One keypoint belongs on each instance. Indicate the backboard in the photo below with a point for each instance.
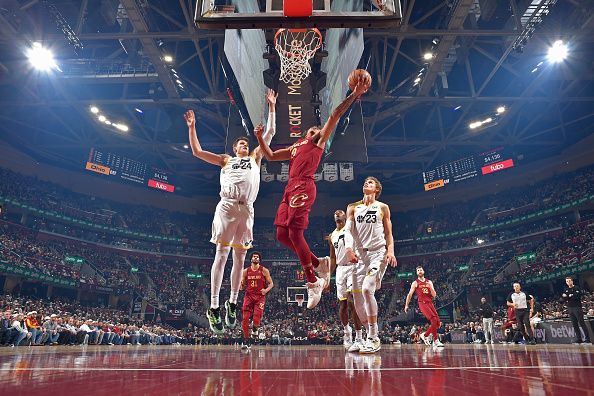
(270, 14)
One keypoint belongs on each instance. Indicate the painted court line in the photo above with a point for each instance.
(210, 370)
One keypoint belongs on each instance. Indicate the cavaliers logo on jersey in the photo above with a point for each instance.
(425, 290)
(298, 200)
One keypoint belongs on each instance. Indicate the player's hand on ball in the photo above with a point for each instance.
(271, 97)
(362, 86)
(391, 259)
(258, 130)
(190, 118)
(351, 256)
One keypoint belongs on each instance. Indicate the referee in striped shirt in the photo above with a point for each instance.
(520, 301)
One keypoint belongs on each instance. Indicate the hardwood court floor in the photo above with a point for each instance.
(298, 370)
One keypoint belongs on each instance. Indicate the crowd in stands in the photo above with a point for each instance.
(42, 245)
(496, 207)
(28, 321)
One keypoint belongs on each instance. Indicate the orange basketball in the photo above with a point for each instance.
(354, 77)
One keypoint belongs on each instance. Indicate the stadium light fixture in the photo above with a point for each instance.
(94, 109)
(427, 56)
(168, 58)
(558, 52)
(501, 110)
(41, 58)
(102, 118)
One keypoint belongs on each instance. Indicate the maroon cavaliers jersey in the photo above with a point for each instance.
(305, 159)
(255, 280)
(424, 291)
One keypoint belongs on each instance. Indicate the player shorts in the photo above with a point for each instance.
(253, 304)
(233, 224)
(428, 310)
(344, 281)
(298, 199)
(372, 264)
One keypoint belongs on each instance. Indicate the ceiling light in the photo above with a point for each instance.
(41, 58)
(488, 120)
(122, 127)
(428, 56)
(168, 58)
(94, 109)
(501, 110)
(138, 110)
(474, 125)
(107, 122)
(102, 118)
(558, 52)
(186, 146)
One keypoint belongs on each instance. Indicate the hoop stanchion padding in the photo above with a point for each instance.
(298, 8)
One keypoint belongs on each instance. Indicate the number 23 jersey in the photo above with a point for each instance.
(369, 227)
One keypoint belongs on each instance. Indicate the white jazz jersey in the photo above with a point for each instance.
(369, 227)
(240, 179)
(337, 238)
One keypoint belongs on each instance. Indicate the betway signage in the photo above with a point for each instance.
(294, 111)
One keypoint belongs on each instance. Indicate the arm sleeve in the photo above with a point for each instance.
(270, 127)
(509, 299)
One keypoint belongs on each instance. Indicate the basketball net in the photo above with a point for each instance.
(300, 300)
(295, 48)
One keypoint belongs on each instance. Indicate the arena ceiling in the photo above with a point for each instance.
(486, 52)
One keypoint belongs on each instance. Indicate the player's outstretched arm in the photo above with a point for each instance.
(278, 155)
(268, 281)
(270, 130)
(387, 222)
(339, 111)
(197, 151)
(413, 287)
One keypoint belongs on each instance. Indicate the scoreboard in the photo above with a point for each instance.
(467, 168)
(128, 170)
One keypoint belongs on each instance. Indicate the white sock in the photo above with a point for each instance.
(373, 330)
(348, 330)
(359, 334)
(216, 274)
(236, 271)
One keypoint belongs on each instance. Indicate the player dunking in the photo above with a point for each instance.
(292, 217)
(234, 216)
(370, 225)
(344, 283)
(425, 294)
(257, 282)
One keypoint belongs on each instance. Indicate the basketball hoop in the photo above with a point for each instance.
(295, 48)
(300, 299)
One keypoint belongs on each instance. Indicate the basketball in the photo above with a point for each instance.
(354, 77)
